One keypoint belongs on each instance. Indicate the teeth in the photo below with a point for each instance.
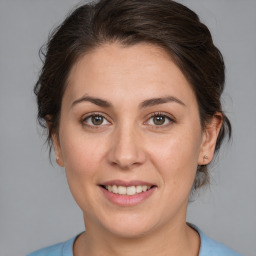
(122, 190)
(114, 189)
(138, 189)
(132, 190)
(144, 188)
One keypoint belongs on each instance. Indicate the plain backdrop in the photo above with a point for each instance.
(36, 207)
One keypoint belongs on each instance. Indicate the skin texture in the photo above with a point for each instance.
(128, 145)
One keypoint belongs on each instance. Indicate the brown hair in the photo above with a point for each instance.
(165, 23)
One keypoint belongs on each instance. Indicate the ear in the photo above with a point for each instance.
(210, 135)
(56, 144)
(57, 149)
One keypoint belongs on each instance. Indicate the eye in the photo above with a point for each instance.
(95, 120)
(160, 119)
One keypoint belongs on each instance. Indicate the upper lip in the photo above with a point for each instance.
(127, 183)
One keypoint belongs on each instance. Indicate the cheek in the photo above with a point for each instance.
(176, 157)
(81, 156)
(80, 153)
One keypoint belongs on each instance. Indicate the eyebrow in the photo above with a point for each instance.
(96, 101)
(146, 103)
(157, 101)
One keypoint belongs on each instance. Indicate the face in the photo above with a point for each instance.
(130, 139)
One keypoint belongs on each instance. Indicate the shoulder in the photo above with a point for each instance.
(210, 247)
(60, 249)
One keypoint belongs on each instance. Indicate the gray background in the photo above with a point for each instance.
(36, 207)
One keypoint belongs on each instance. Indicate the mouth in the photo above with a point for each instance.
(127, 190)
(127, 193)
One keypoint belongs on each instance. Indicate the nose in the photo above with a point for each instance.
(126, 149)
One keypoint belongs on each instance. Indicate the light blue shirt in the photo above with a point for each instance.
(209, 247)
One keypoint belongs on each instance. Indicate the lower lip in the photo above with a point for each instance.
(126, 200)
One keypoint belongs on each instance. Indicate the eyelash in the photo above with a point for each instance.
(161, 114)
(156, 114)
(83, 121)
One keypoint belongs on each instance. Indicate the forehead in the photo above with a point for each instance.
(138, 71)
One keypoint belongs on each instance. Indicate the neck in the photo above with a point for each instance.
(180, 239)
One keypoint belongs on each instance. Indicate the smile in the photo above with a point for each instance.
(129, 191)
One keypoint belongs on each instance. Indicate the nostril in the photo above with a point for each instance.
(126, 152)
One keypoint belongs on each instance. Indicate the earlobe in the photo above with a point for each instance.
(55, 142)
(57, 149)
(58, 161)
(210, 136)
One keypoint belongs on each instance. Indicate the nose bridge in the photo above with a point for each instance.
(126, 149)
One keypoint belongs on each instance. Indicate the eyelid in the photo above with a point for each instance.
(168, 116)
(84, 117)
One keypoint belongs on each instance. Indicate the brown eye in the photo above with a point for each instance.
(159, 120)
(97, 120)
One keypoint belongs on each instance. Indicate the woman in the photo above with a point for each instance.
(130, 94)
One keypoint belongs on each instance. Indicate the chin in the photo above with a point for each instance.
(131, 232)
(130, 225)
